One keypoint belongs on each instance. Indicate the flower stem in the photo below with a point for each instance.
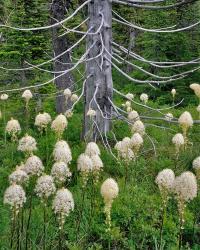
(28, 222)
(162, 224)
(181, 214)
(12, 235)
(81, 212)
(44, 227)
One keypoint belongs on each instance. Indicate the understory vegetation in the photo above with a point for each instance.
(136, 212)
(135, 187)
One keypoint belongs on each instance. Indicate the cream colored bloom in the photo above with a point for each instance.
(144, 98)
(84, 163)
(185, 186)
(33, 166)
(15, 197)
(4, 97)
(13, 128)
(136, 142)
(60, 172)
(63, 204)
(128, 109)
(42, 120)
(196, 166)
(138, 127)
(169, 116)
(124, 149)
(165, 181)
(109, 190)
(97, 163)
(62, 152)
(185, 121)
(74, 98)
(91, 113)
(128, 104)
(196, 88)
(27, 144)
(27, 95)
(129, 96)
(45, 186)
(92, 149)
(133, 116)
(69, 113)
(19, 176)
(173, 92)
(178, 140)
(59, 125)
(67, 93)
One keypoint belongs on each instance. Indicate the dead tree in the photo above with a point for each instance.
(60, 44)
(99, 87)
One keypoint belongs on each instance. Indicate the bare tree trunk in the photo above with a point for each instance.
(60, 44)
(99, 87)
(133, 34)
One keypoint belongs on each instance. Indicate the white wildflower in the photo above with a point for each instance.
(62, 152)
(144, 98)
(185, 186)
(109, 191)
(129, 96)
(45, 187)
(42, 120)
(173, 92)
(19, 176)
(185, 121)
(59, 125)
(33, 166)
(74, 98)
(169, 117)
(196, 166)
(67, 93)
(15, 197)
(27, 144)
(27, 95)
(136, 142)
(165, 181)
(196, 88)
(60, 172)
(128, 104)
(84, 163)
(92, 149)
(91, 113)
(97, 163)
(63, 204)
(128, 109)
(138, 127)
(178, 141)
(133, 116)
(13, 128)
(124, 149)
(4, 97)
(69, 113)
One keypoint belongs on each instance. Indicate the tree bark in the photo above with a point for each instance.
(61, 44)
(99, 68)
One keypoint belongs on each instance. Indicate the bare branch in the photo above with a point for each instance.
(127, 23)
(49, 26)
(152, 7)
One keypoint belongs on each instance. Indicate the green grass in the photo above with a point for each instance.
(136, 212)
